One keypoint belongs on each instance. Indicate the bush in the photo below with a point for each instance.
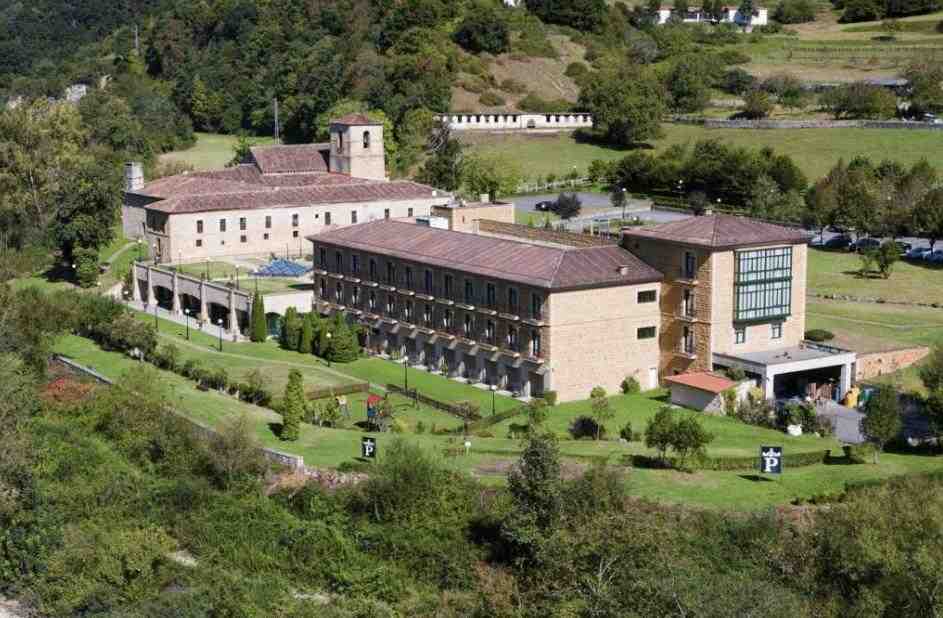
(550, 397)
(630, 386)
(819, 335)
(732, 56)
(166, 357)
(737, 81)
(586, 427)
(483, 31)
(757, 104)
(795, 11)
(626, 432)
(420, 427)
(597, 391)
(576, 70)
(860, 100)
(536, 105)
(86, 266)
(490, 99)
(513, 86)
(234, 452)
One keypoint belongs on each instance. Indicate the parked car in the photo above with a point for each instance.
(917, 253)
(865, 244)
(903, 247)
(544, 206)
(838, 242)
(936, 257)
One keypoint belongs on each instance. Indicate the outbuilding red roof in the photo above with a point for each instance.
(554, 267)
(719, 232)
(702, 381)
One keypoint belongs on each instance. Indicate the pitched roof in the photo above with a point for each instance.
(720, 232)
(290, 159)
(285, 197)
(556, 267)
(354, 120)
(702, 381)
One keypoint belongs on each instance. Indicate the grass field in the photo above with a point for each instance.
(813, 150)
(836, 272)
(211, 151)
(490, 457)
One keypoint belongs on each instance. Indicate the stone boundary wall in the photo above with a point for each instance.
(717, 123)
(516, 231)
(876, 364)
(874, 299)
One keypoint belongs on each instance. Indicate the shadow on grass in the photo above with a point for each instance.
(59, 272)
(583, 136)
(276, 429)
(756, 478)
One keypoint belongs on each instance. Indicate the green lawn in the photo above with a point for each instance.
(490, 457)
(210, 152)
(897, 326)
(814, 150)
(836, 272)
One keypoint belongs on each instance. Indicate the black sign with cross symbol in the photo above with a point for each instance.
(771, 459)
(368, 448)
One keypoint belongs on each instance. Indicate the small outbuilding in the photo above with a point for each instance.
(702, 390)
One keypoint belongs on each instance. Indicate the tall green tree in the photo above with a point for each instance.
(627, 105)
(306, 337)
(444, 162)
(291, 329)
(293, 406)
(89, 207)
(258, 327)
(343, 346)
(659, 431)
(882, 422)
(491, 174)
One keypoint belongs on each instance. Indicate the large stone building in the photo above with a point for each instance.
(530, 315)
(521, 316)
(273, 200)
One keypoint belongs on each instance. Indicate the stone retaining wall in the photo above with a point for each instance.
(877, 364)
(720, 123)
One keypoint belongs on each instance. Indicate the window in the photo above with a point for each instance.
(222, 225)
(511, 338)
(390, 272)
(327, 218)
(687, 341)
(647, 296)
(340, 141)
(469, 291)
(242, 224)
(373, 269)
(353, 216)
(688, 304)
(428, 282)
(409, 212)
(322, 287)
(535, 343)
(338, 262)
(294, 234)
(427, 315)
(294, 220)
(763, 284)
(409, 277)
(242, 238)
(689, 270)
(265, 236)
(489, 331)
(355, 295)
(447, 318)
(646, 332)
(199, 242)
(776, 330)
(386, 213)
(469, 325)
(354, 263)
(390, 304)
(372, 300)
(199, 226)
(448, 286)
(322, 257)
(339, 292)
(268, 222)
(490, 294)
(536, 306)
(512, 300)
(740, 335)
(407, 310)
(366, 140)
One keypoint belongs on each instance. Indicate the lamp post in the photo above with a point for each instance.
(237, 277)
(140, 250)
(327, 352)
(156, 307)
(406, 373)
(494, 389)
(623, 205)
(206, 268)
(219, 330)
(187, 313)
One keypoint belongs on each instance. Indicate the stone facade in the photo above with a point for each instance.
(357, 150)
(280, 230)
(602, 347)
(466, 218)
(879, 363)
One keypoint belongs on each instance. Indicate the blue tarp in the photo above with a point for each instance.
(282, 268)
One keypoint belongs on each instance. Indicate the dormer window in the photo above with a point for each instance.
(366, 140)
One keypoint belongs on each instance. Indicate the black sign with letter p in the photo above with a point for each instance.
(771, 459)
(368, 448)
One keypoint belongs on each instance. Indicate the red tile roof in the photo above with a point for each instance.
(354, 120)
(719, 232)
(291, 159)
(702, 381)
(550, 267)
(284, 197)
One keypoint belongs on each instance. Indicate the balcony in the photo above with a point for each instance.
(687, 276)
(688, 349)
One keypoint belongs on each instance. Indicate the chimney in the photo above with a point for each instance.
(484, 198)
(133, 176)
